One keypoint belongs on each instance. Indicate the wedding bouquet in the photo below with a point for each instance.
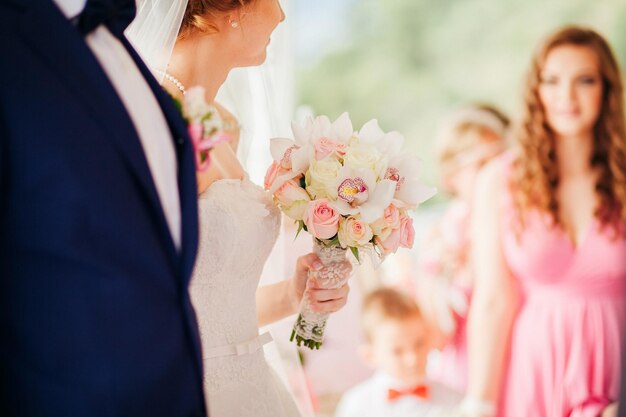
(204, 124)
(349, 190)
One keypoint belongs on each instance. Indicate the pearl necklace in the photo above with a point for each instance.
(174, 81)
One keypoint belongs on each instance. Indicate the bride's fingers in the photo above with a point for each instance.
(328, 300)
(309, 262)
(330, 306)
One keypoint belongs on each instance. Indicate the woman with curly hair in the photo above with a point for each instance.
(549, 238)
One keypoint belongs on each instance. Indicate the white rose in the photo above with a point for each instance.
(321, 178)
(195, 105)
(365, 156)
(213, 124)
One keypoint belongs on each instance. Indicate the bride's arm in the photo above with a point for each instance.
(282, 299)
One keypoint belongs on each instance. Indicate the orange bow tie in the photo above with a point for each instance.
(421, 391)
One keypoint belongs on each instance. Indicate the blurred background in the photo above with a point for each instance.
(409, 64)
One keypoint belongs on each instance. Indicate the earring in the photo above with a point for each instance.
(234, 24)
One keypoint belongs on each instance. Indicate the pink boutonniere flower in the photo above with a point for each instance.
(204, 125)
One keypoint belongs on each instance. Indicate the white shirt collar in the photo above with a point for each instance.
(71, 8)
(387, 381)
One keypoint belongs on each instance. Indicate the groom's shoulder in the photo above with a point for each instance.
(10, 10)
(13, 5)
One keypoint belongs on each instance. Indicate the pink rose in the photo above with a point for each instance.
(195, 130)
(321, 219)
(390, 220)
(270, 175)
(274, 172)
(402, 236)
(390, 244)
(392, 216)
(201, 150)
(407, 233)
(325, 146)
(293, 199)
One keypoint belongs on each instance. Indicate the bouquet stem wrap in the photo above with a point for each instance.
(309, 327)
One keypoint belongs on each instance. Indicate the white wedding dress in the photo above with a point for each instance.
(239, 225)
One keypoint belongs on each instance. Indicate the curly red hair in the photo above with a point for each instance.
(535, 172)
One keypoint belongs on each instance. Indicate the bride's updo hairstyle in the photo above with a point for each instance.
(199, 13)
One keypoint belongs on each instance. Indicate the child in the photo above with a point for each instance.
(398, 342)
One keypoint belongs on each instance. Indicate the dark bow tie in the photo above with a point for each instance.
(116, 15)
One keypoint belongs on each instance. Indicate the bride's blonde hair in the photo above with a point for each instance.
(535, 175)
(198, 14)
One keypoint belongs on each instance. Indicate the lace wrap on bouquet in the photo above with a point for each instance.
(310, 325)
(238, 227)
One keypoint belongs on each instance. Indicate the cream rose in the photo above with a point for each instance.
(322, 177)
(354, 233)
(195, 103)
(364, 156)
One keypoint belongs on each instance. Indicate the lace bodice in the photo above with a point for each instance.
(239, 225)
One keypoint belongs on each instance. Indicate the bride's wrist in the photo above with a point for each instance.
(293, 298)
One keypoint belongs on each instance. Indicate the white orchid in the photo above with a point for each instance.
(312, 136)
(388, 144)
(409, 191)
(359, 193)
(312, 129)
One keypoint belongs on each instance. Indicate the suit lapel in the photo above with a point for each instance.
(186, 185)
(63, 49)
(186, 167)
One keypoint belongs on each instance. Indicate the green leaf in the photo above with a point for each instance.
(355, 252)
(332, 242)
(300, 227)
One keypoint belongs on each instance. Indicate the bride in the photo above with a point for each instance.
(238, 221)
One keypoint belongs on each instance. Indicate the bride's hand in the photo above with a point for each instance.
(321, 300)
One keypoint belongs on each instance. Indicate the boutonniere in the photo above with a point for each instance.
(204, 124)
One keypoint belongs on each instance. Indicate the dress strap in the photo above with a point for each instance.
(244, 348)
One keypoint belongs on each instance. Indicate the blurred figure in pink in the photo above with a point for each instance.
(470, 138)
(549, 237)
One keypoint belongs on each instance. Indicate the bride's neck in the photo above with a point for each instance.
(196, 63)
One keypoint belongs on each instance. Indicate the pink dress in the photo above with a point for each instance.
(446, 259)
(567, 337)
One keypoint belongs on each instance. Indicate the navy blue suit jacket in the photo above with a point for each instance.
(95, 317)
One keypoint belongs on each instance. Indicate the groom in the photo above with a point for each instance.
(98, 221)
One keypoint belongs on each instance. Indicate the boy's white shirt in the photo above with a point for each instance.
(369, 399)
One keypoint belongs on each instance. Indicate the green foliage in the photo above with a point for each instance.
(408, 63)
(355, 252)
(301, 226)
